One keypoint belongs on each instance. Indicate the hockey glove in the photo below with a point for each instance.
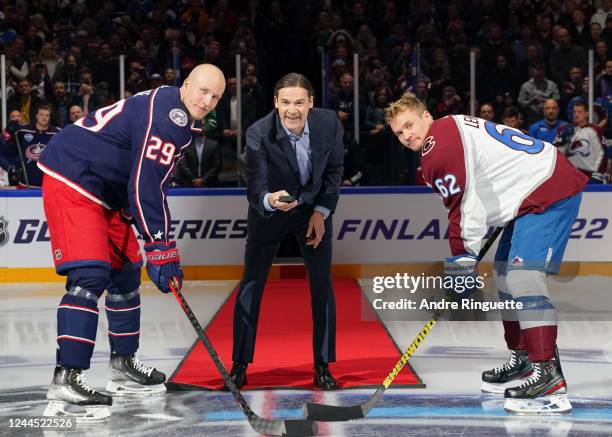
(460, 276)
(163, 263)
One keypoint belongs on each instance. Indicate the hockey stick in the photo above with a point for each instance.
(293, 427)
(21, 159)
(336, 413)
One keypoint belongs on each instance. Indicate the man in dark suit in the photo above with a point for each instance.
(293, 151)
(201, 164)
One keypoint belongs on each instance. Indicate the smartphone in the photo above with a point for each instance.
(286, 199)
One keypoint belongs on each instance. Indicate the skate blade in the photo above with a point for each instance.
(490, 387)
(91, 414)
(134, 389)
(555, 404)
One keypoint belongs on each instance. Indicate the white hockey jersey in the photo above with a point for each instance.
(488, 174)
(585, 148)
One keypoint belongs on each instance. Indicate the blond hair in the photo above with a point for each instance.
(407, 101)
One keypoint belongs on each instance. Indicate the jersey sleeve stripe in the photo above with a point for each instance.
(137, 178)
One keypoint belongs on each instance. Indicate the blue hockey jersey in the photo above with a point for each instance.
(121, 156)
(32, 142)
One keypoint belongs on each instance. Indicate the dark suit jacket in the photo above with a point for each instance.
(271, 162)
(210, 166)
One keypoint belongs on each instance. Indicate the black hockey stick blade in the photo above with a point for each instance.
(332, 413)
(289, 428)
(339, 413)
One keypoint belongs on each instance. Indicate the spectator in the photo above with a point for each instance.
(487, 112)
(60, 100)
(564, 57)
(68, 72)
(156, 80)
(535, 91)
(602, 13)
(76, 112)
(107, 67)
(86, 97)
(253, 95)
(450, 103)
(533, 57)
(572, 86)
(32, 140)
(497, 83)
(24, 101)
(50, 58)
(8, 151)
(580, 33)
(600, 57)
(581, 143)
(547, 128)
(494, 46)
(511, 117)
(201, 163)
(600, 118)
(342, 103)
(422, 92)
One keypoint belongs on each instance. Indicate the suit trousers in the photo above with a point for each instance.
(263, 240)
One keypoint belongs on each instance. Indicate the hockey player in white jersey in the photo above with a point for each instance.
(582, 143)
(493, 175)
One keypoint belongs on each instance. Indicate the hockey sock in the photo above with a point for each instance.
(123, 311)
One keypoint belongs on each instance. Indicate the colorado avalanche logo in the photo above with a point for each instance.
(178, 117)
(428, 145)
(33, 152)
(4, 235)
(581, 147)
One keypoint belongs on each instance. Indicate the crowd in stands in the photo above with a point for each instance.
(531, 66)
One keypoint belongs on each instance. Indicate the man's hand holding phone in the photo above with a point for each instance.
(282, 200)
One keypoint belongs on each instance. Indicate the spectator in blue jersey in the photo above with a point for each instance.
(29, 141)
(546, 128)
(106, 171)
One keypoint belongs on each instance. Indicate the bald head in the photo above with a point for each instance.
(202, 90)
(551, 110)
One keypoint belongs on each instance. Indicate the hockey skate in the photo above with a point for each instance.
(129, 377)
(69, 396)
(544, 392)
(501, 377)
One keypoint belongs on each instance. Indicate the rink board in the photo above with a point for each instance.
(375, 229)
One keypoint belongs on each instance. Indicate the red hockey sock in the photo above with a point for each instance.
(540, 342)
(512, 334)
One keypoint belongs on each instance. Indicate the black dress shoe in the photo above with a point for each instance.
(238, 374)
(323, 379)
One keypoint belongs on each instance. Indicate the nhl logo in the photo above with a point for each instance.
(4, 235)
(58, 254)
(178, 117)
(28, 137)
(428, 145)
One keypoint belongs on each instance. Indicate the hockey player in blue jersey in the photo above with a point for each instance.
(26, 142)
(103, 172)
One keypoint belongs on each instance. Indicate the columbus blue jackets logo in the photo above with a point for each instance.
(33, 152)
(428, 145)
(178, 117)
(4, 235)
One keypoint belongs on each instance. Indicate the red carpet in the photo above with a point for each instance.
(283, 353)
